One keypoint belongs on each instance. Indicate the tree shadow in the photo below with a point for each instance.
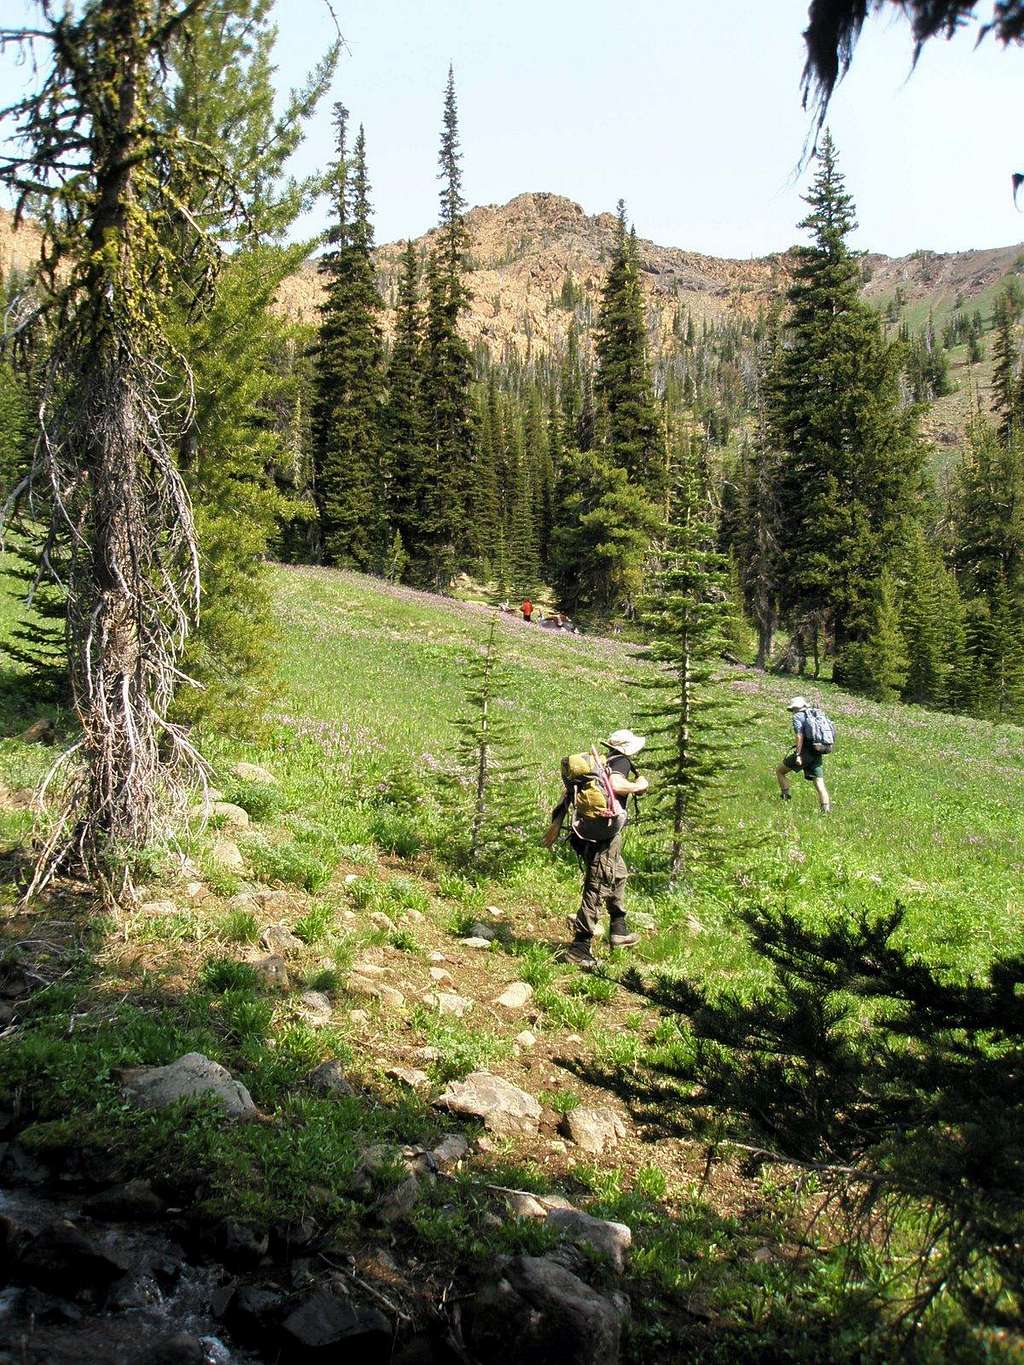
(892, 1087)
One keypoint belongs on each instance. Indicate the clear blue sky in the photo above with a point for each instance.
(689, 109)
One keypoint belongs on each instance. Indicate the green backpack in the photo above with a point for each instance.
(597, 813)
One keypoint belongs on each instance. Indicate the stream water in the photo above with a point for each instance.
(160, 1313)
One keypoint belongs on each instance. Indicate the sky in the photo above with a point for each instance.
(690, 110)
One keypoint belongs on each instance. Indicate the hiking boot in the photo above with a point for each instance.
(623, 940)
(786, 795)
(579, 953)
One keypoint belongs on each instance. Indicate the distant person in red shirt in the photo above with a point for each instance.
(527, 610)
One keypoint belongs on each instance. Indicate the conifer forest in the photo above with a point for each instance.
(336, 570)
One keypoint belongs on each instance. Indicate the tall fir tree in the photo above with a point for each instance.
(403, 435)
(349, 384)
(447, 375)
(688, 710)
(835, 408)
(635, 438)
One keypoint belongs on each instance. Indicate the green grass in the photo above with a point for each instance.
(928, 811)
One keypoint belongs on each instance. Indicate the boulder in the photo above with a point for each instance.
(279, 940)
(391, 996)
(230, 815)
(158, 908)
(450, 1151)
(612, 1240)
(316, 1005)
(330, 1079)
(516, 996)
(383, 922)
(273, 973)
(475, 941)
(39, 732)
(526, 1038)
(362, 968)
(446, 1002)
(190, 1077)
(62, 1258)
(327, 1327)
(439, 974)
(410, 1076)
(398, 1203)
(481, 930)
(172, 1348)
(538, 1313)
(356, 984)
(253, 772)
(227, 856)
(594, 1129)
(503, 1107)
(133, 1201)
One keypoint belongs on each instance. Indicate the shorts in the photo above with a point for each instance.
(813, 765)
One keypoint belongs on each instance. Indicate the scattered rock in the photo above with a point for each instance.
(196, 891)
(362, 985)
(514, 997)
(435, 956)
(253, 772)
(483, 1144)
(494, 910)
(409, 1076)
(370, 969)
(227, 856)
(316, 1004)
(350, 878)
(398, 1203)
(359, 1017)
(481, 930)
(522, 1205)
(276, 901)
(325, 1322)
(439, 974)
(191, 1076)
(694, 925)
(594, 1129)
(253, 1310)
(446, 1002)
(240, 1244)
(475, 942)
(383, 922)
(503, 1107)
(608, 1239)
(244, 900)
(234, 817)
(279, 939)
(133, 1201)
(537, 1313)
(61, 1257)
(450, 1151)
(526, 1038)
(172, 1348)
(414, 916)
(392, 997)
(330, 1079)
(158, 908)
(273, 972)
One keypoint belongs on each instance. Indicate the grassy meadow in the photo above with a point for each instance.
(348, 846)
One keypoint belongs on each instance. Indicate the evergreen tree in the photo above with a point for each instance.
(852, 457)
(447, 375)
(691, 716)
(930, 612)
(878, 665)
(634, 435)
(349, 376)
(1006, 377)
(487, 794)
(403, 436)
(603, 530)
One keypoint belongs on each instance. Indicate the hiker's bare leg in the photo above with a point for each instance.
(782, 773)
(823, 797)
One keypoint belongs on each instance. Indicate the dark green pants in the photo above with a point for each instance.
(604, 883)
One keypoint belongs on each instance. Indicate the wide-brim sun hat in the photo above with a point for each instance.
(625, 742)
(797, 704)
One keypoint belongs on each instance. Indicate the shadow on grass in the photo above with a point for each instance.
(887, 1085)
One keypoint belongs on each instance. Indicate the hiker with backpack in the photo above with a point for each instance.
(815, 737)
(596, 790)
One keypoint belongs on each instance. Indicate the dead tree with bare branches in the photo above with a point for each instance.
(89, 159)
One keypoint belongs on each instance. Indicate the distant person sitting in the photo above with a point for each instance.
(815, 737)
(527, 610)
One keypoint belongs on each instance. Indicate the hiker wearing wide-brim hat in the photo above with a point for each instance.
(596, 790)
(814, 735)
